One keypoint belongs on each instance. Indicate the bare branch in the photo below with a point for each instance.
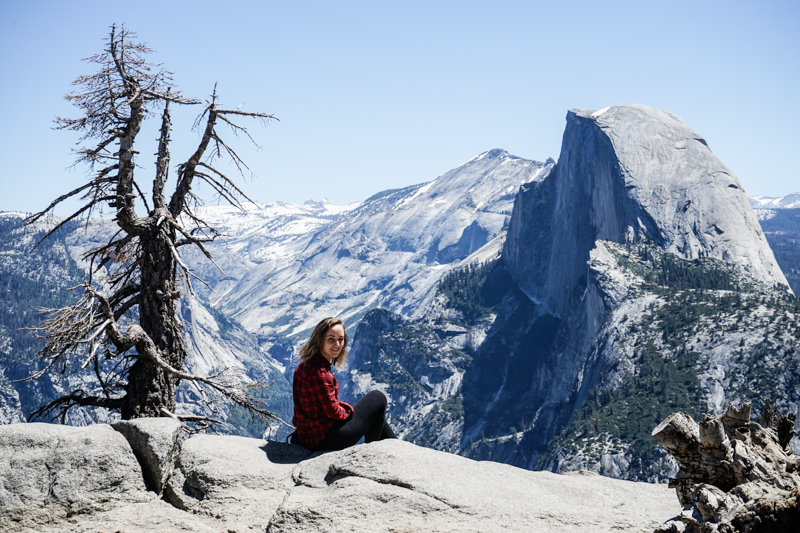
(90, 340)
(198, 242)
(75, 398)
(103, 384)
(221, 191)
(61, 224)
(204, 240)
(124, 308)
(175, 418)
(238, 161)
(186, 269)
(168, 97)
(228, 181)
(33, 218)
(119, 255)
(141, 195)
(265, 120)
(91, 156)
(162, 159)
(38, 374)
(186, 170)
(124, 292)
(140, 263)
(188, 418)
(263, 116)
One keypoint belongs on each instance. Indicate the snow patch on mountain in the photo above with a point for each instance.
(790, 201)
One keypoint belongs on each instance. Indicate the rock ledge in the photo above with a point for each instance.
(61, 478)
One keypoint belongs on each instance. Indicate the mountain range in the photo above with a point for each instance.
(609, 307)
(790, 201)
(538, 314)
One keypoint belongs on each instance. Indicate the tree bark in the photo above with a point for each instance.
(150, 388)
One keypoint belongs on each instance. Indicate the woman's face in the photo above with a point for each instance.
(333, 342)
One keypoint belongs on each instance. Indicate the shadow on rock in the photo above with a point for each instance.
(285, 453)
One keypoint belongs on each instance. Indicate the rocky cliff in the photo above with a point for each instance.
(144, 476)
(628, 173)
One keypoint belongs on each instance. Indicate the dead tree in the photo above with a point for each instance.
(735, 475)
(131, 318)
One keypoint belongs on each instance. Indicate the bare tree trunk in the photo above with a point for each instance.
(150, 388)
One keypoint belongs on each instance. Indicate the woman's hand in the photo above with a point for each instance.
(347, 407)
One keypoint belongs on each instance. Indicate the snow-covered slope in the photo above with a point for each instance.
(387, 251)
(263, 236)
(790, 201)
(41, 277)
(10, 408)
(766, 207)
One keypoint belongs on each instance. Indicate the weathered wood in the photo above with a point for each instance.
(678, 431)
(712, 434)
(735, 475)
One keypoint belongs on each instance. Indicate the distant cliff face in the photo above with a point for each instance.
(640, 177)
(628, 173)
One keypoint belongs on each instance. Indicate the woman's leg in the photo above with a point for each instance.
(374, 403)
(368, 421)
(386, 432)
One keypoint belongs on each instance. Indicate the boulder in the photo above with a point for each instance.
(238, 480)
(144, 517)
(87, 479)
(735, 475)
(52, 472)
(156, 442)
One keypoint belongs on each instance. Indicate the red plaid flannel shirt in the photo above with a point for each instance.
(316, 401)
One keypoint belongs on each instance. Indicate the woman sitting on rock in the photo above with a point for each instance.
(322, 422)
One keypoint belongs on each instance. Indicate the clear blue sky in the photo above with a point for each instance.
(378, 95)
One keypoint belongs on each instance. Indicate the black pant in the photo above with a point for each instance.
(368, 421)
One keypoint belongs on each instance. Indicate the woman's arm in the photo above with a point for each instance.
(329, 398)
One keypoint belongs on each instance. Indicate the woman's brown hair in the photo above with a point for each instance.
(314, 344)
